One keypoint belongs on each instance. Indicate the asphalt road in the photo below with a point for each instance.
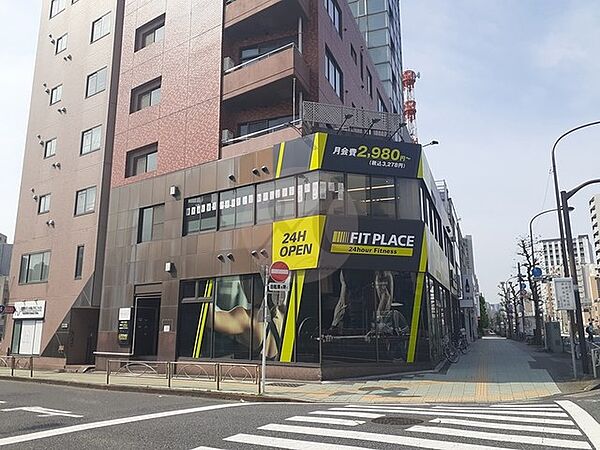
(41, 416)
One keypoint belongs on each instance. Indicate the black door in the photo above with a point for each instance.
(146, 326)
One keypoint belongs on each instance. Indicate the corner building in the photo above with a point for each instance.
(248, 132)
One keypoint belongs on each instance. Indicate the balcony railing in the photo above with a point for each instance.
(245, 137)
(262, 57)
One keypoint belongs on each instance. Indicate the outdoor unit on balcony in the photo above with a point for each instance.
(228, 63)
(226, 135)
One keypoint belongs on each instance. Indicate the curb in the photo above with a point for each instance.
(594, 385)
(223, 395)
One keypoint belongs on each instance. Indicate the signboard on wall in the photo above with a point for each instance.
(297, 242)
(35, 309)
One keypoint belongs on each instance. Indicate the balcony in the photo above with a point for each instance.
(244, 16)
(268, 78)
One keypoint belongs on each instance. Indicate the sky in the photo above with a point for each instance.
(500, 81)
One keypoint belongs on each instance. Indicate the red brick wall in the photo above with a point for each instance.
(185, 123)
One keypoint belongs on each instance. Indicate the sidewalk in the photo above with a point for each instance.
(495, 370)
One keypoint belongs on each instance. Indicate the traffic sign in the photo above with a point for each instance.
(536, 272)
(7, 309)
(279, 287)
(2, 308)
(280, 271)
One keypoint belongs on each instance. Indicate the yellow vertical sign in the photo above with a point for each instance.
(298, 241)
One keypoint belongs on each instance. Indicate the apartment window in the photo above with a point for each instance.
(264, 124)
(335, 14)
(256, 50)
(79, 261)
(34, 268)
(380, 104)
(151, 223)
(101, 27)
(151, 32)
(141, 160)
(353, 54)
(91, 140)
(44, 204)
(334, 75)
(61, 44)
(200, 214)
(56, 94)
(57, 6)
(96, 82)
(146, 95)
(369, 84)
(50, 148)
(85, 201)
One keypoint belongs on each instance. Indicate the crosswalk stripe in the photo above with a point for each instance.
(522, 405)
(268, 441)
(349, 413)
(538, 420)
(535, 440)
(500, 410)
(326, 420)
(509, 426)
(510, 413)
(376, 437)
(584, 420)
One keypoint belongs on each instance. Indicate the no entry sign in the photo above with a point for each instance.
(279, 271)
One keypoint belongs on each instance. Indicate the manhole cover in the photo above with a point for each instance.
(288, 385)
(399, 421)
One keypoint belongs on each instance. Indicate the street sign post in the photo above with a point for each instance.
(564, 293)
(536, 272)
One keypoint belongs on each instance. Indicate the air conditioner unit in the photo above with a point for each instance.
(226, 135)
(228, 63)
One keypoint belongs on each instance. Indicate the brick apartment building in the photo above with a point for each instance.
(232, 134)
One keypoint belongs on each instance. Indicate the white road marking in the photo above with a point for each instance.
(532, 407)
(376, 437)
(43, 412)
(499, 410)
(538, 420)
(348, 413)
(584, 420)
(507, 412)
(326, 420)
(522, 405)
(268, 441)
(206, 448)
(108, 423)
(519, 438)
(509, 426)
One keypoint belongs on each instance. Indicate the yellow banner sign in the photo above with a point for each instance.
(297, 242)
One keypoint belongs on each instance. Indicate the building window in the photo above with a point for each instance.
(265, 202)
(61, 44)
(262, 48)
(227, 210)
(380, 104)
(358, 195)
(56, 94)
(44, 204)
(101, 27)
(334, 75)
(285, 198)
(91, 140)
(85, 201)
(50, 148)
(260, 125)
(34, 268)
(200, 214)
(383, 197)
(151, 32)
(151, 223)
(146, 95)
(141, 160)
(79, 261)
(96, 82)
(353, 54)
(369, 84)
(57, 6)
(236, 208)
(335, 14)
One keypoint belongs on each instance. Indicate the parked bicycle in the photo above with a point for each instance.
(462, 343)
(451, 353)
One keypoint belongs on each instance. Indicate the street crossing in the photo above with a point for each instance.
(437, 427)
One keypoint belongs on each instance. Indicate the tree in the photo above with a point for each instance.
(484, 319)
(529, 263)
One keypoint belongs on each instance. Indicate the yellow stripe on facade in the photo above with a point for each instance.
(420, 169)
(414, 326)
(197, 341)
(289, 333)
(204, 316)
(300, 286)
(202, 320)
(280, 160)
(318, 150)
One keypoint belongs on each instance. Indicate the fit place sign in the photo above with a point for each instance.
(30, 310)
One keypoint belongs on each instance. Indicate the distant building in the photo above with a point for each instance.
(594, 209)
(5, 254)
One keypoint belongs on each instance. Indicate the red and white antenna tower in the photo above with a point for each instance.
(409, 78)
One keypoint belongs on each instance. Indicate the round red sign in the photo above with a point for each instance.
(279, 271)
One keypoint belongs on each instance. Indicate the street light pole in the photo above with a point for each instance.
(565, 196)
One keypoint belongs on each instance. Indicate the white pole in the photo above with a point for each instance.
(263, 379)
(572, 331)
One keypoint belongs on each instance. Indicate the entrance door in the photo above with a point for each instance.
(146, 326)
